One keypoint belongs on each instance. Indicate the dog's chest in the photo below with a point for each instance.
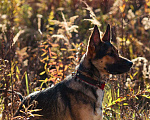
(100, 94)
(98, 107)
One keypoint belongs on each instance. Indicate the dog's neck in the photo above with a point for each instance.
(88, 69)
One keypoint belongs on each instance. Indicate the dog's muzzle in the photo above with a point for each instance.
(121, 66)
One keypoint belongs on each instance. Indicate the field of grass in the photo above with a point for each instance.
(41, 42)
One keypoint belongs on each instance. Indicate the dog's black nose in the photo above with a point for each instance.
(130, 63)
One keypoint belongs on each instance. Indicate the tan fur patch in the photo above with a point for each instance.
(100, 64)
(81, 111)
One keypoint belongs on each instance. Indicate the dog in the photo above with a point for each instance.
(80, 96)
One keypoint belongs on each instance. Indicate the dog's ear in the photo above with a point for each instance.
(106, 37)
(95, 37)
(94, 41)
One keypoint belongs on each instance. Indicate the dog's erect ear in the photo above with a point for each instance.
(95, 37)
(106, 37)
(94, 41)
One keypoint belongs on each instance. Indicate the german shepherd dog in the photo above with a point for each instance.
(80, 96)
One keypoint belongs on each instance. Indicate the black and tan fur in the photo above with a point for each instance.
(75, 98)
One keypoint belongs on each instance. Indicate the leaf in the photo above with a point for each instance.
(56, 22)
(46, 58)
(53, 63)
(53, 53)
(63, 49)
(52, 70)
(46, 46)
(72, 50)
(44, 53)
(42, 61)
(136, 97)
(17, 70)
(148, 2)
(18, 118)
(42, 73)
(27, 85)
(35, 110)
(45, 66)
(125, 104)
(57, 68)
(44, 42)
(55, 45)
(60, 64)
(44, 50)
(45, 80)
(50, 17)
(146, 96)
(117, 101)
(73, 28)
(54, 57)
(58, 36)
(122, 7)
(41, 80)
(23, 106)
(72, 19)
(17, 36)
(135, 74)
(70, 57)
(17, 76)
(37, 115)
(66, 67)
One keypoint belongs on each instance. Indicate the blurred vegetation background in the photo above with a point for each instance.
(41, 42)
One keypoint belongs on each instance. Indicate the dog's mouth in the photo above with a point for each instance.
(118, 68)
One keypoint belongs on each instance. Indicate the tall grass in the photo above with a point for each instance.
(42, 42)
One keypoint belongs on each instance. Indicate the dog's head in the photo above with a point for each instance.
(104, 56)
